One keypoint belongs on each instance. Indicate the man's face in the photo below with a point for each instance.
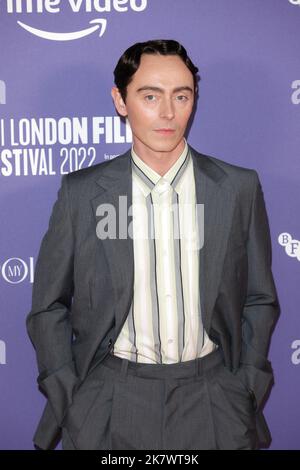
(159, 103)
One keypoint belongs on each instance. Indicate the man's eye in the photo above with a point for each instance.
(150, 98)
(182, 98)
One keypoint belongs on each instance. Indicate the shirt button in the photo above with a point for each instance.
(170, 341)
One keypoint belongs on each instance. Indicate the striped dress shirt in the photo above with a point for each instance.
(164, 323)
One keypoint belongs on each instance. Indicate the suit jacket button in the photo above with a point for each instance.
(110, 342)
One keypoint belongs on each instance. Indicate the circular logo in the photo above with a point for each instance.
(14, 270)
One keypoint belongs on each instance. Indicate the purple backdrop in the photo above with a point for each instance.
(56, 111)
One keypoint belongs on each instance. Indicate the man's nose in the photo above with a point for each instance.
(167, 108)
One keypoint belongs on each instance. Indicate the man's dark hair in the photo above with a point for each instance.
(129, 62)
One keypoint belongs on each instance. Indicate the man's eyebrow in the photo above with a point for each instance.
(160, 90)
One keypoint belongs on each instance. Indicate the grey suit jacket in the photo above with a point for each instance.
(83, 285)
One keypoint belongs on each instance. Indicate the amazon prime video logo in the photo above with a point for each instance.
(76, 6)
(2, 92)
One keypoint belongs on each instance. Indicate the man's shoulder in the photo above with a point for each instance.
(224, 165)
(240, 176)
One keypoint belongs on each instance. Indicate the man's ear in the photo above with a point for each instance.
(118, 100)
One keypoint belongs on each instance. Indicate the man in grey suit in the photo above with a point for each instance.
(147, 335)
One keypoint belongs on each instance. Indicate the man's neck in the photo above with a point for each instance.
(160, 162)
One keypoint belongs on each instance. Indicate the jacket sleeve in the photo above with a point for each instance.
(261, 308)
(48, 323)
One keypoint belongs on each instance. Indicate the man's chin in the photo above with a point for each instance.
(165, 146)
(158, 145)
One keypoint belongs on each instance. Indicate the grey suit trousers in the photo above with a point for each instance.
(197, 404)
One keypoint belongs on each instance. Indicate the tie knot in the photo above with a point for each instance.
(162, 186)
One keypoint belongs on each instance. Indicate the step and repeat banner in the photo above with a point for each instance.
(56, 116)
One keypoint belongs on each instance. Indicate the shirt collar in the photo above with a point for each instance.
(151, 177)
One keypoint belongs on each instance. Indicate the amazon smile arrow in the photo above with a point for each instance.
(99, 23)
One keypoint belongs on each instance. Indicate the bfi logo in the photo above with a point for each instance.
(292, 246)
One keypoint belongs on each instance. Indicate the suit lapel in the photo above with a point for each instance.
(116, 181)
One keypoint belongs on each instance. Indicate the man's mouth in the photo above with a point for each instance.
(165, 130)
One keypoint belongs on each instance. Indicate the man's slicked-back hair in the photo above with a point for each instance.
(130, 60)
